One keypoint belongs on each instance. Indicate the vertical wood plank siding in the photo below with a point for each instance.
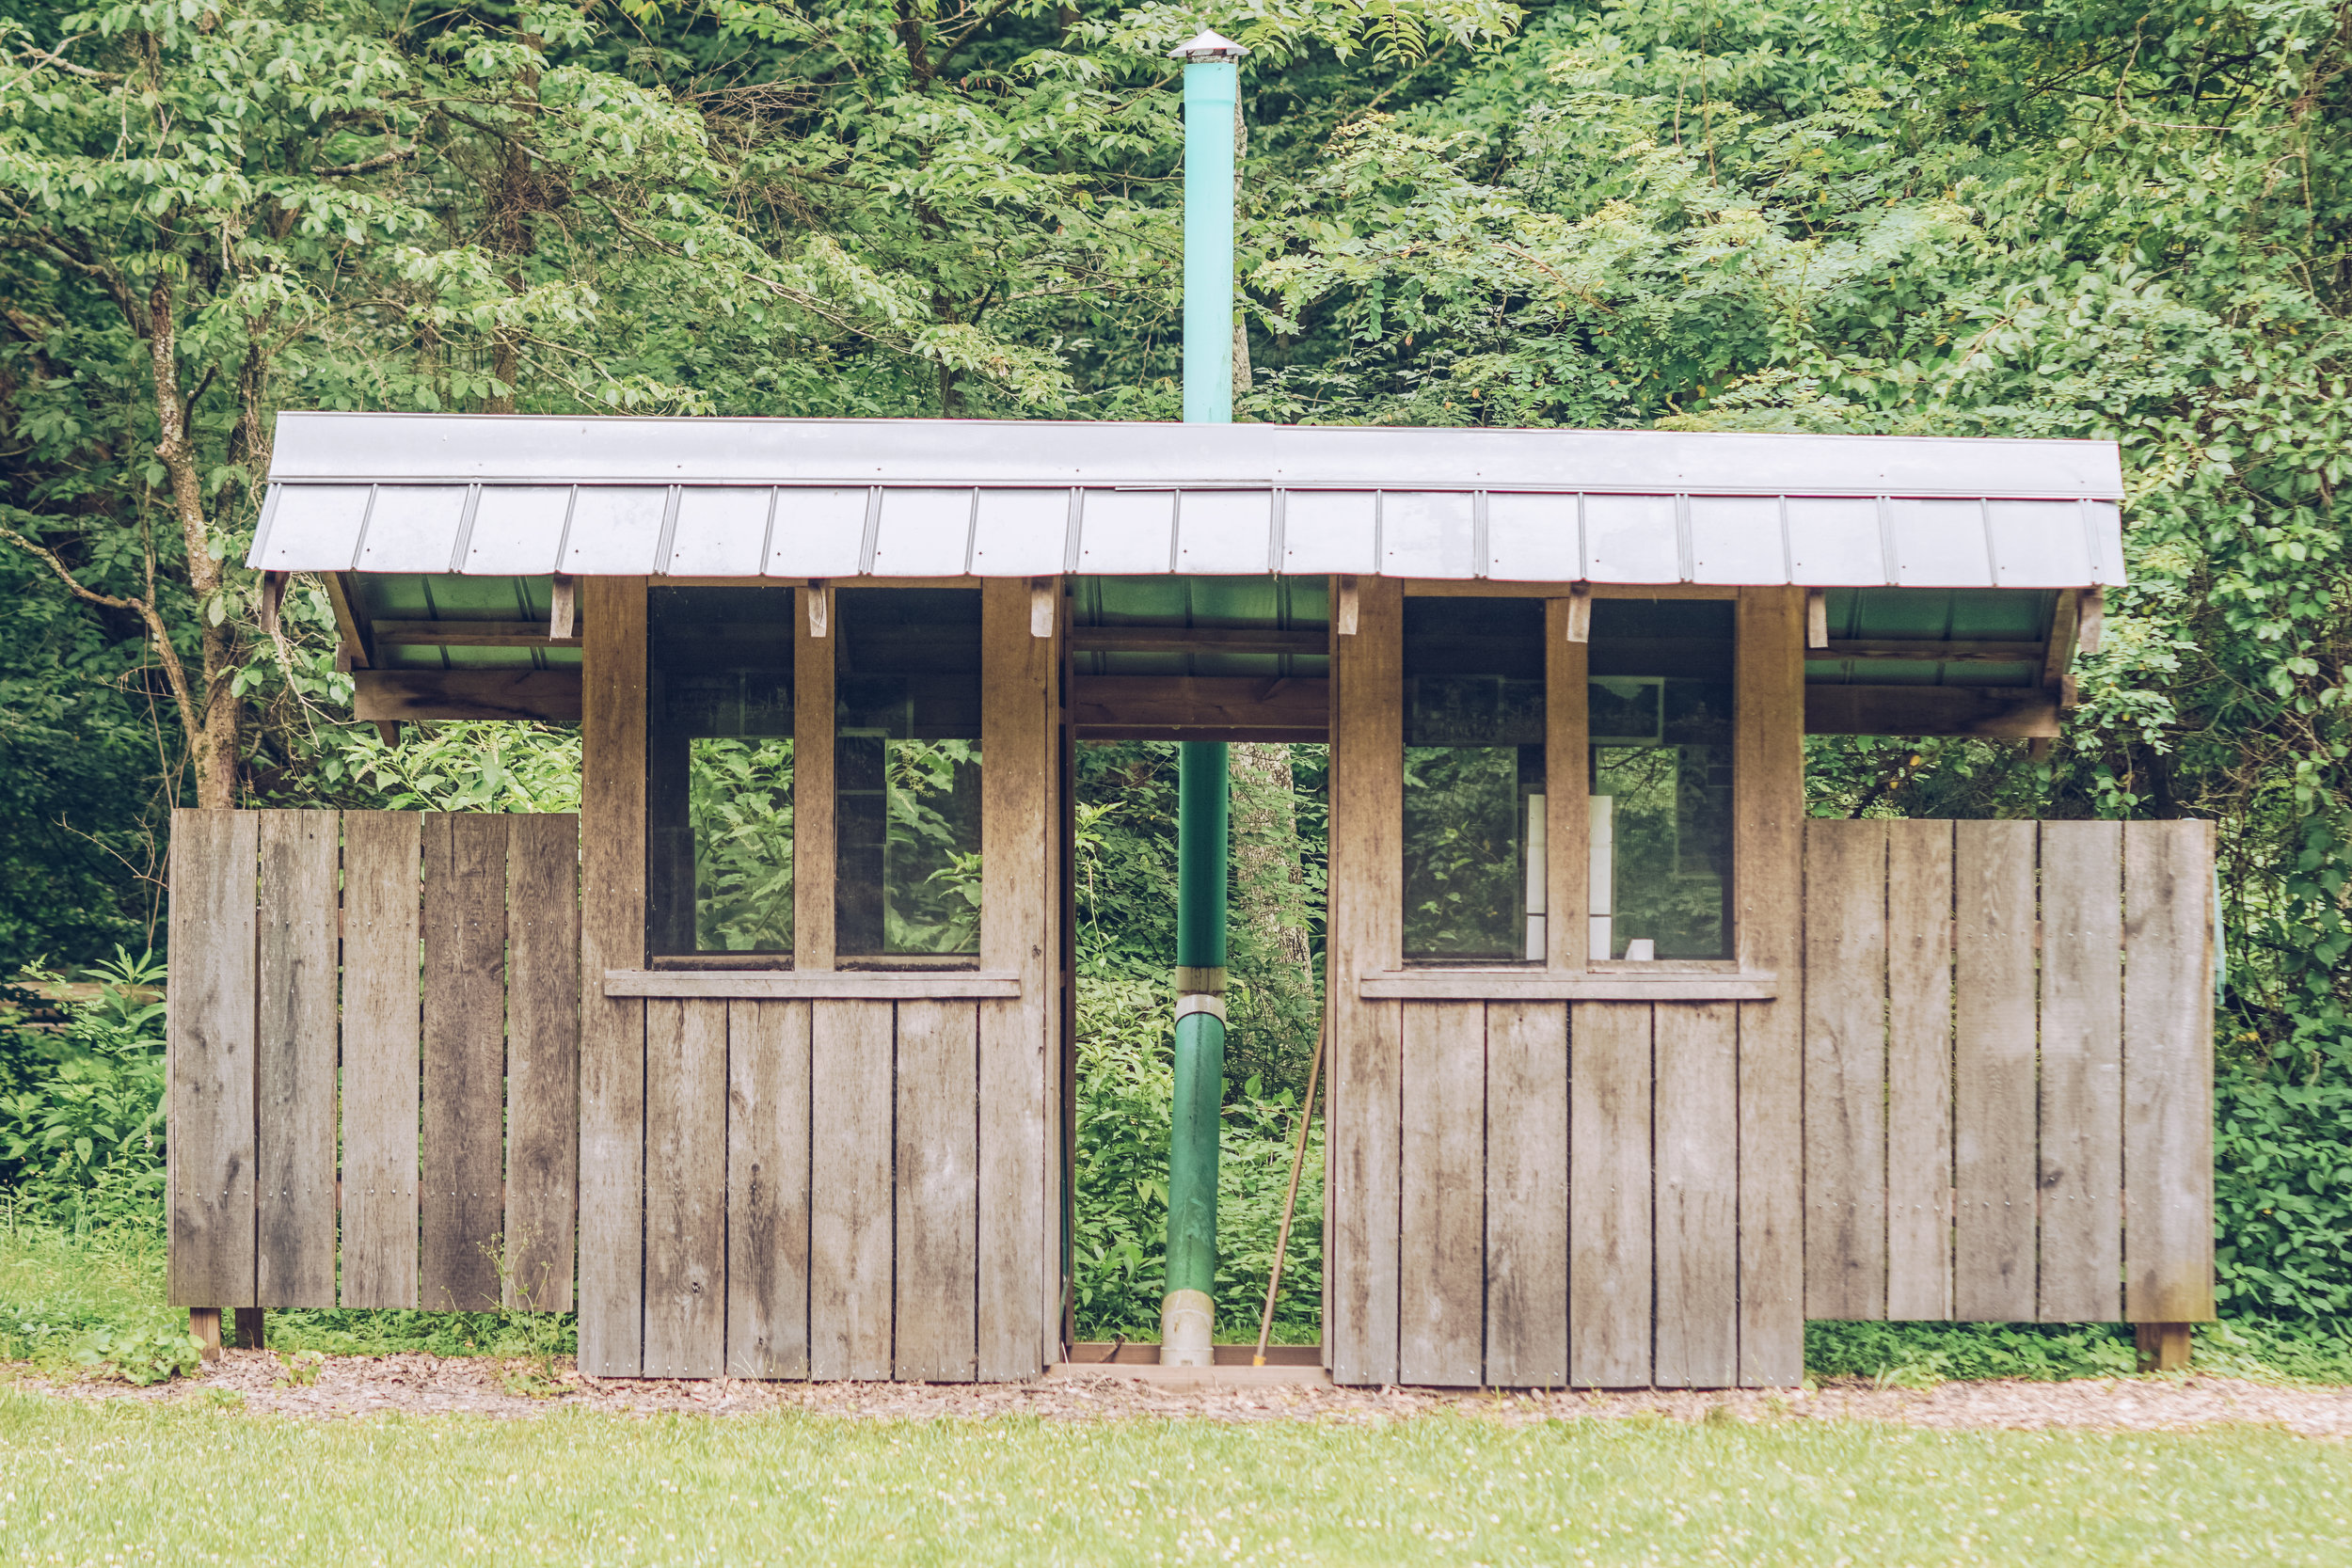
(294, 1059)
(612, 936)
(1919, 1066)
(542, 1059)
(1697, 1197)
(1366, 932)
(2168, 1067)
(768, 1183)
(1441, 1233)
(209, 1023)
(1845, 1073)
(1993, 1074)
(1527, 1193)
(462, 1181)
(381, 1009)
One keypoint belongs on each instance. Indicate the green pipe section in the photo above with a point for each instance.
(1192, 1154)
(1200, 842)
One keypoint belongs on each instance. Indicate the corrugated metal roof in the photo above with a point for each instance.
(791, 499)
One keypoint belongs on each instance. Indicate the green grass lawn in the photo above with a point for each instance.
(186, 1483)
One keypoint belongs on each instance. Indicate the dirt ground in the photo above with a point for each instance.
(420, 1384)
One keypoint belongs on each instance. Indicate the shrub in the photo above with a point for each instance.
(83, 1136)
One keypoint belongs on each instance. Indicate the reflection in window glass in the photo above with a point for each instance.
(907, 772)
(719, 755)
(1660, 710)
(1474, 776)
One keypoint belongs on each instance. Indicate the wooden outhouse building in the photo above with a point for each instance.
(765, 1065)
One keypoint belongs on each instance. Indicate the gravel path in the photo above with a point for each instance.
(428, 1384)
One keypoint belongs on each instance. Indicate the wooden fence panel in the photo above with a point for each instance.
(2082, 1083)
(1918, 1069)
(2168, 1033)
(1609, 1253)
(1441, 1227)
(210, 1034)
(295, 1049)
(1697, 1195)
(1845, 1070)
(381, 1003)
(1527, 1193)
(936, 1183)
(1994, 1070)
(767, 1187)
(462, 1174)
(542, 1059)
(2049, 1066)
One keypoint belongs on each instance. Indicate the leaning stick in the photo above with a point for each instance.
(1290, 1202)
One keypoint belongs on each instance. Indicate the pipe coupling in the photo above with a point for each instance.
(1187, 1319)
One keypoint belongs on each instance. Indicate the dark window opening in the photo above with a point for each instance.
(1473, 777)
(718, 763)
(1659, 714)
(907, 772)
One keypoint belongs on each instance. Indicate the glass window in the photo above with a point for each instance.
(718, 763)
(907, 772)
(1661, 726)
(1473, 777)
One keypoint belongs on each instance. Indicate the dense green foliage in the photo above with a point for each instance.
(2080, 217)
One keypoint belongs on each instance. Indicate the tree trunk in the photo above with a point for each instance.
(210, 711)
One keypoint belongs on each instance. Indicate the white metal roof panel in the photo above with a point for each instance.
(526, 494)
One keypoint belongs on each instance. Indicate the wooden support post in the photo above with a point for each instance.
(1817, 617)
(820, 607)
(1579, 623)
(564, 605)
(1043, 592)
(1345, 622)
(2163, 1347)
(204, 1322)
(2092, 621)
(250, 1328)
(273, 596)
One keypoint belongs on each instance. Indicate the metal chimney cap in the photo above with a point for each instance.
(1208, 46)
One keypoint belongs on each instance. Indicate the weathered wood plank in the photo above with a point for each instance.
(394, 695)
(1697, 1047)
(2167, 1072)
(1441, 1227)
(768, 1183)
(794, 985)
(937, 1185)
(1845, 1070)
(1993, 1074)
(542, 1059)
(1919, 1070)
(1019, 1256)
(462, 1180)
(1527, 1195)
(612, 936)
(1567, 822)
(382, 900)
(296, 1054)
(209, 1026)
(1534, 984)
(2081, 1161)
(2010, 713)
(850, 1219)
(1609, 1253)
(1768, 796)
(814, 845)
(686, 1188)
(1365, 926)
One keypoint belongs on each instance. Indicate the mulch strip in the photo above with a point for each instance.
(422, 1385)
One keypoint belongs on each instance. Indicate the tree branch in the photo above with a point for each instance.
(369, 166)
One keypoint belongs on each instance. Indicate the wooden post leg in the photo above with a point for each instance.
(2163, 1347)
(204, 1322)
(250, 1328)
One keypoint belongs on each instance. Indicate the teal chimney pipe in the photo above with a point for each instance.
(1188, 1309)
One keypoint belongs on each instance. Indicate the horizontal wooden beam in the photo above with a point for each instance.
(396, 695)
(1540, 985)
(469, 634)
(1201, 708)
(789, 985)
(1994, 712)
(1198, 640)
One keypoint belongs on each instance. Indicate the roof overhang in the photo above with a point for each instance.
(530, 496)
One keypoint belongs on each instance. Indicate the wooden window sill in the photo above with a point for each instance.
(1546, 985)
(835, 985)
